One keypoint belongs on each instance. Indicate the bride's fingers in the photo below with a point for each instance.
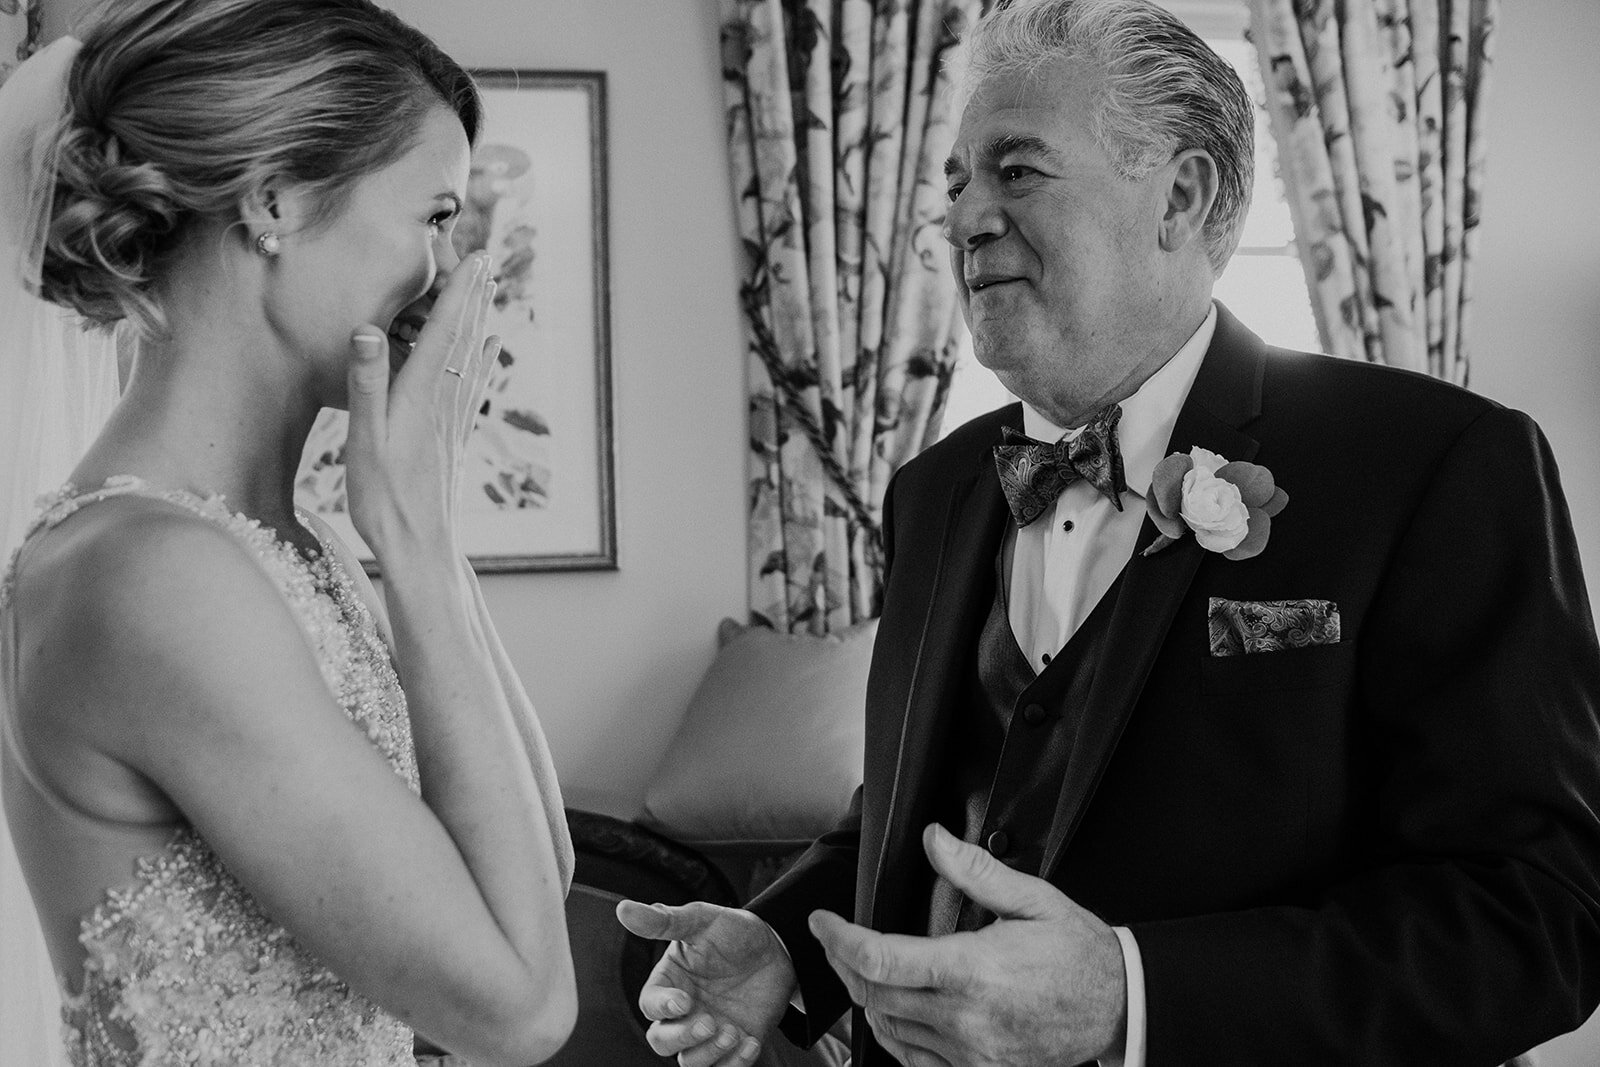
(476, 372)
(368, 388)
(486, 365)
(448, 329)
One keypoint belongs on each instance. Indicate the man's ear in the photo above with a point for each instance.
(1190, 191)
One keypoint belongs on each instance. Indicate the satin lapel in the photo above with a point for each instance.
(958, 602)
(1226, 395)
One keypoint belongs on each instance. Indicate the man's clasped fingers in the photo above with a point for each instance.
(697, 1038)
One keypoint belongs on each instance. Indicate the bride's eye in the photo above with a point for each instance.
(442, 220)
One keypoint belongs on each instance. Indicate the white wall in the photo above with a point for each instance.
(612, 658)
(1536, 328)
(1536, 331)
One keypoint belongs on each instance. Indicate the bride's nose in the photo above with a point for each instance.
(446, 258)
(446, 255)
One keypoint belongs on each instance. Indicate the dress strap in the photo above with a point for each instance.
(55, 508)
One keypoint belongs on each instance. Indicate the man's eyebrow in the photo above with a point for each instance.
(1020, 143)
(1002, 145)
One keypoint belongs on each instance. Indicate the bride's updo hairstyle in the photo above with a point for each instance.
(181, 109)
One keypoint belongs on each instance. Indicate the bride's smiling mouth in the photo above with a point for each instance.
(406, 328)
(405, 331)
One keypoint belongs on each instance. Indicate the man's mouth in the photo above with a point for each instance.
(986, 281)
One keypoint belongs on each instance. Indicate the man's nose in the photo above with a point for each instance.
(972, 219)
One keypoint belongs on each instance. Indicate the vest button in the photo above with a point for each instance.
(1033, 714)
(998, 842)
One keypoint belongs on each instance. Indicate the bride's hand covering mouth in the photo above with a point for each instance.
(406, 327)
(408, 427)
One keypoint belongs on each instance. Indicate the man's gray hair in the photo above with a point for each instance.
(1159, 90)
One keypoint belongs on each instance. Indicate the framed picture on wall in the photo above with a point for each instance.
(539, 482)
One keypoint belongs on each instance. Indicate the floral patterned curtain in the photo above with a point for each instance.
(839, 122)
(1376, 106)
(19, 32)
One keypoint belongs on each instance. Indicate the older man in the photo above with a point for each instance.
(1228, 704)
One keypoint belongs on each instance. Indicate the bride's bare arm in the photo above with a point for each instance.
(405, 443)
(406, 440)
(164, 648)
(522, 709)
(527, 722)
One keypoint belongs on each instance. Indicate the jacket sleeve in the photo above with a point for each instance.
(1475, 934)
(825, 877)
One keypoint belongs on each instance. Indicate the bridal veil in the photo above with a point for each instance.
(58, 382)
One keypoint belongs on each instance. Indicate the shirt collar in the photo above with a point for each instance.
(1148, 415)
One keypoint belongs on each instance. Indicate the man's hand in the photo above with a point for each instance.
(1044, 984)
(721, 987)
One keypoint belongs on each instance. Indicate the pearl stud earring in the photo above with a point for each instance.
(268, 244)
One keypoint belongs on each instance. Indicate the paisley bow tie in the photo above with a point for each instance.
(1033, 474)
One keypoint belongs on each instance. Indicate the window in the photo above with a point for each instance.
(1263, 285)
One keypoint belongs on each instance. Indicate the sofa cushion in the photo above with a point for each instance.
(771, 746)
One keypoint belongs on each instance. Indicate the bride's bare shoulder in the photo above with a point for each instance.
(103, 556)
(122, 602)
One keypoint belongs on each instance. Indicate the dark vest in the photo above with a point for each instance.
(1009, 745)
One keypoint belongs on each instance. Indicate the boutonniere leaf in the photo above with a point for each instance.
(1228, 506)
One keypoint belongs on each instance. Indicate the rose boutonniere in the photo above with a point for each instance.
(1228, 506)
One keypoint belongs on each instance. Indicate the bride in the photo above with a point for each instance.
(265, 817)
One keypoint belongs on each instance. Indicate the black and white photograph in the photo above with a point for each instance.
(799, 533)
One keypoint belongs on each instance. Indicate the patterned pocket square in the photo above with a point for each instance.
(1239, 627)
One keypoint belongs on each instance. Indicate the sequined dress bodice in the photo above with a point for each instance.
(182, 966)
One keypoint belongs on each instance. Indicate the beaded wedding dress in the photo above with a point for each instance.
(182, 967)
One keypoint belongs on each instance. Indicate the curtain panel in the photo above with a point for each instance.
(19, 32)
(839, 120)
(1376, 106)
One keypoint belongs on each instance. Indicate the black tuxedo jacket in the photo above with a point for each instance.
(1381, 851)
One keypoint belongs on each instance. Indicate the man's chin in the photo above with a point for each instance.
(998, 348)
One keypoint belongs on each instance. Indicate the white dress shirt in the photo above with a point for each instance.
(1062, 563)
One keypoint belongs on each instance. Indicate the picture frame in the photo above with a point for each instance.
(538, 491)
